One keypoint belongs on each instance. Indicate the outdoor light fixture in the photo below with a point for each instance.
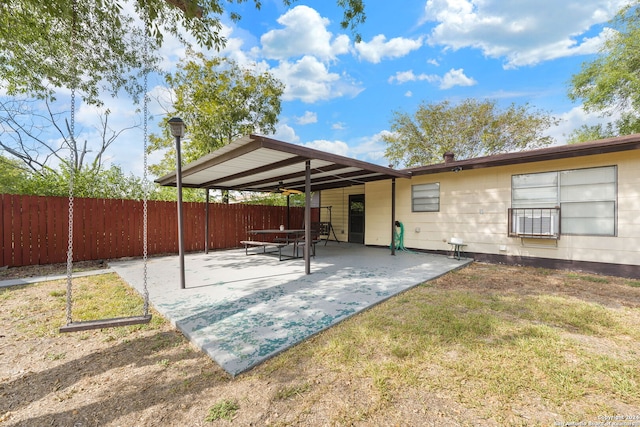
(177, 127)
(457, 169)
(177, 130)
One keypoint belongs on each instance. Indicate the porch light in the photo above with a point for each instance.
(177, 127)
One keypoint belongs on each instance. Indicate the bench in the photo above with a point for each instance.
(301, 245)
(264, 246)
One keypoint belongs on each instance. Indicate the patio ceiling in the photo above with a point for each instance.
(257, 163)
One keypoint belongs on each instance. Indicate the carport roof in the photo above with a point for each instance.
(257, 163)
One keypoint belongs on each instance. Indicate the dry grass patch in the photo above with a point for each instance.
(486, 345)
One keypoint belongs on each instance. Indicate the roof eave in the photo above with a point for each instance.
(610, 145)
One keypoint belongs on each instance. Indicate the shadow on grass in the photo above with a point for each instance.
(134, 393)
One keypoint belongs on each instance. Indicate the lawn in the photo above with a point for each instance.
(485, 345)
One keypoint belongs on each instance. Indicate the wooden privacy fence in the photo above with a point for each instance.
(34, 230)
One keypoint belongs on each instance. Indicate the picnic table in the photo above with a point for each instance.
(282, 239)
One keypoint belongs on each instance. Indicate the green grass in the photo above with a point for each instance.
(588, 278)
(224, 409)
(501, 345)
(289, 392)
(488, 350)
(95, 297)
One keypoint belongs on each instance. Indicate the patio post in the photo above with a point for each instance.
(288, 211)
(177, 130)
(393, 216)
(206, 222)
(307, 218)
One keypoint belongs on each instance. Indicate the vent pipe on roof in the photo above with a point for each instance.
(448, 157)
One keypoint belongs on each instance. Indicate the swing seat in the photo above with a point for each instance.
(105, 323)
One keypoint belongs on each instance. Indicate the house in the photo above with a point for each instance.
(572, 206)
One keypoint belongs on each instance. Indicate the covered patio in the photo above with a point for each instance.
(260, 164)
(241, 310)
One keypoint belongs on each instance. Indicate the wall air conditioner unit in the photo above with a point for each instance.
(543, 226)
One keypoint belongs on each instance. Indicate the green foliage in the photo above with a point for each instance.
(36, 48)
(111, 183)
(37, 54)
(224, 409)
(272, 199)
(219, 101)
(586, 133)
(12, 175)
(469, 129)
(611, 82)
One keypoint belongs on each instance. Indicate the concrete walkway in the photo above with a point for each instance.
(241, 309)
(31, 280)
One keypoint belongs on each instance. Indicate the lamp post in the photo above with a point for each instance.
(177, 130)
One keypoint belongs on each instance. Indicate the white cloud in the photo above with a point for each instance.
(336, 147)
(456, 78)
(309, 81)
(575, 118)
(307, 118)
(305, 33)
(286, 133)
(379, 48)
(338, 126)
(409, 76)
(450, 79)
(408, 94)
(524, 32)
(371, 149)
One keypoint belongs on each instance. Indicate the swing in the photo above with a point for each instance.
(74, 326)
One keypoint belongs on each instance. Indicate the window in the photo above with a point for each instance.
(586, 197)
(425, 197)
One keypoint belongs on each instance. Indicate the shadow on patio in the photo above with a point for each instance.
(242, 310)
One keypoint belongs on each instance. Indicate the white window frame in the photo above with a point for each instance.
(425, 197)
(587, 198)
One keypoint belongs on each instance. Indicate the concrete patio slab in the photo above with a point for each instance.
(242, 310)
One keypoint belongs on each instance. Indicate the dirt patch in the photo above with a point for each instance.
(49, 269)
(150, 375)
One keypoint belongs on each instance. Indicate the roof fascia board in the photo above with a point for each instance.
(611, 145)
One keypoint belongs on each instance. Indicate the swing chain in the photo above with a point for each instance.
(145, 182)
(72, 159)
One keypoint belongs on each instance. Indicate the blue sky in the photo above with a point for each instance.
(340, 95)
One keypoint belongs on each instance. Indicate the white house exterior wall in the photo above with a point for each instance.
(474, 204)
(338, 199)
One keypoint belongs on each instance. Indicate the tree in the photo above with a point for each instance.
(469, 129)
(41, 161)
(587, 133)
(38, 135)
(219, 101)
(12, 176)
(45, 44)
(611, 82)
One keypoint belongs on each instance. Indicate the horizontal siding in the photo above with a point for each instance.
(474, 204)
(338, 200)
